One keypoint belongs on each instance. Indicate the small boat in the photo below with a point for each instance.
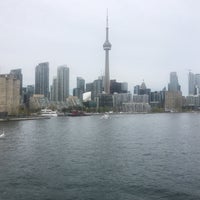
(105, 116)
(48, 113)
(2, 135)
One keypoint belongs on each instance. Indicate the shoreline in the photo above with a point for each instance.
(22, 118)
(88, 114)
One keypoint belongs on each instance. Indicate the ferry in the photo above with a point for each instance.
(48, 113)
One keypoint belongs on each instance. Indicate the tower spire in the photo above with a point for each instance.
(107, 18)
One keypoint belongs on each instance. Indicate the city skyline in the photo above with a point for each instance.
(150, 39)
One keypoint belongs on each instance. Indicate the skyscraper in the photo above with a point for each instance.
(80, 84)
(197, 84)
(54, 91)
(191, 83)
(174, 86)
(42, 79)
(107, 47)
(63, 82)
(17, 73)
(80, 88)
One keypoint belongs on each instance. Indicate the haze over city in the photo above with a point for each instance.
(149, 39)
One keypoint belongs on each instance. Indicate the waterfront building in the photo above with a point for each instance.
(193, 102)
(107, 48)
(173, 85)
(144, 98)
(139, 103)
(42, 79)
(132, 107)
(38, 102)
(157, 99)
(9, 94)
(119, 99)
(173, 101)
(73, 101)
(104, 100)
(63, 82)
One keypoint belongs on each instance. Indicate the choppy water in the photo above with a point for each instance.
(136, 157)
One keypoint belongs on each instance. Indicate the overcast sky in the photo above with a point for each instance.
(150, 38)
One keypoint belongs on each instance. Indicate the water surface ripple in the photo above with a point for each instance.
(142, 157)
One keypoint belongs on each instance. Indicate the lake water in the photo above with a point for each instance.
(136, 157)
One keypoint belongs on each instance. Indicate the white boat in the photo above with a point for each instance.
(48, 113)
(2, 135)
(105, 116)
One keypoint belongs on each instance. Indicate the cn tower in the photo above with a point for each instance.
(107, 47)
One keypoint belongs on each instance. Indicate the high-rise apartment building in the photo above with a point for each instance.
(97, 88)
(197, 84)
(173, 101)
(42, 79)
(173, 97)
(63, 82)
(54, 91)
(136, 89)
(17, 73)
(174, 86)
(89, 87)
(80, 84)
(193, 84)
(9, 94)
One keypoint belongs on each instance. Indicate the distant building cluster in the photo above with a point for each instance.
(102, 94)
